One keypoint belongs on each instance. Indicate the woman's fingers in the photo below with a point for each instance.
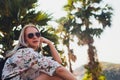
(44, 40)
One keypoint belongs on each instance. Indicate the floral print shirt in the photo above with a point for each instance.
(26, 64)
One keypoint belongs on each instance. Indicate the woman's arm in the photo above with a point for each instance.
(54, 52)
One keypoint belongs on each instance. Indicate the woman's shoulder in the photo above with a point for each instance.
(24, 52)
(25, 49)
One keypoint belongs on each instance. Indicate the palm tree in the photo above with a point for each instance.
(80, 21)
(66, 37)
(14, 14)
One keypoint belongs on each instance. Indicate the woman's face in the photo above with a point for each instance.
(32, 37)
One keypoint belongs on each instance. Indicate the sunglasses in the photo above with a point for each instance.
(31, 35)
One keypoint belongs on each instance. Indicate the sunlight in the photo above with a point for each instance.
(107, 46)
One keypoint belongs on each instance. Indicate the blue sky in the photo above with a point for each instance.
(108, 46)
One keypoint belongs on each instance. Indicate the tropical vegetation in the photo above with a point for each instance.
(86, 19)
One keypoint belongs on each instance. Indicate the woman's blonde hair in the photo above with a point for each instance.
(21, 40)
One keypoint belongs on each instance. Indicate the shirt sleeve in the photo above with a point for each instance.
(44, 64)
(25, 59)
(20, 62)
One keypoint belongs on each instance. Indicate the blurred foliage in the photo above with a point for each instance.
(88, 77)
(14, 14)
(81, 20)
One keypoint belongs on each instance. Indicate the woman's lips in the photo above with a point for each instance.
(35, 41)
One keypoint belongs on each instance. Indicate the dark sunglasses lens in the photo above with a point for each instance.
(37, 34)
(30, 35)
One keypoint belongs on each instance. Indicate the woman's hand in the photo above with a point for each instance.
(53, 50)
(45, 40)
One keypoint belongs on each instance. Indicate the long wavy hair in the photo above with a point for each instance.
(21, 40)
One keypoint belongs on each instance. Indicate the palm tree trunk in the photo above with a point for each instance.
(93, 63)
(70, 65)
(69, 60)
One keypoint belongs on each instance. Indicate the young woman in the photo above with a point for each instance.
(25, 63)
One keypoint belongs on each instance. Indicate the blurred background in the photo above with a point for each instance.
(107, 45)
(86, 33)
